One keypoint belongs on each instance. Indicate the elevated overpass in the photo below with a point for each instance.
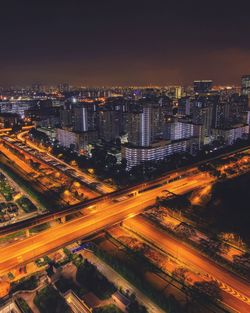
(109, 214)
(110, 210)
(62, 213)
(114, 197)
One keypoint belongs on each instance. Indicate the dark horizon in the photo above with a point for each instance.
(106, 44)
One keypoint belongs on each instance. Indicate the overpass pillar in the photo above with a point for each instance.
(63, 219)
(27, 232)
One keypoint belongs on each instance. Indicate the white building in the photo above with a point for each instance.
(76, 140)
(157, 151)
(178, 130)
(18, 107)
(230, 135)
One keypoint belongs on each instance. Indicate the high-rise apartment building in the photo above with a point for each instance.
(84, 117)
(221, 113)
(146, 128)
(202, 113)
(245, 85)
(184, 106)
(145, 125)
(66, 115)
(109, 124)
(175, 130)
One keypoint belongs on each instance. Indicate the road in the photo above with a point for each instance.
(88, 178)
(235, 291)
(45, 182)
(109, 214)
(185, 171)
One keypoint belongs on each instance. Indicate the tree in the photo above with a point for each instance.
(123, 164)
(107, 309)
(206, 291)
(89, 276)
(180, 274)
(110, 160)
(135, 306)
(48, 300)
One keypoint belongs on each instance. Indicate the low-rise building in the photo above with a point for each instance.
(10, 307)
(76, 304)
(50, 132)
(120, 300)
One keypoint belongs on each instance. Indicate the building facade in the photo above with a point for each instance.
(158, 151)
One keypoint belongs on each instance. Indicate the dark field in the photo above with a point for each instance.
(229, 207)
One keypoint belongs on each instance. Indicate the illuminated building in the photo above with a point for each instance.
(145, 126)
(230, 135)
(157, 151)
(202, 112)
(221, 115)
(175, 130)
(202, 86)
(184, 106)
(109, 124)
(245, 85)
(16, 106)
(66, 115)
(84, 117)
(75, 140)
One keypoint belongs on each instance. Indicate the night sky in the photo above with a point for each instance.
(124, 42)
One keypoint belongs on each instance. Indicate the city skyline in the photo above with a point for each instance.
(131, 44)
(124, 156)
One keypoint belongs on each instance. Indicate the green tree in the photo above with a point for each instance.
(48, 300)
(206, 291)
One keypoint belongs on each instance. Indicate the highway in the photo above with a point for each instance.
(33, 247)
(118, 206)
(235, 291)
(99, 201)
(58, 213)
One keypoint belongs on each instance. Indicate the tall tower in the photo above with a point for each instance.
(245, 88)
(84, 117)
(245, 85)
(145, 126)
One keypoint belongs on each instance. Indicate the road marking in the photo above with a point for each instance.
(230, 290)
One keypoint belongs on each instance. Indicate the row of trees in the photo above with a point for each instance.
(89, 276)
